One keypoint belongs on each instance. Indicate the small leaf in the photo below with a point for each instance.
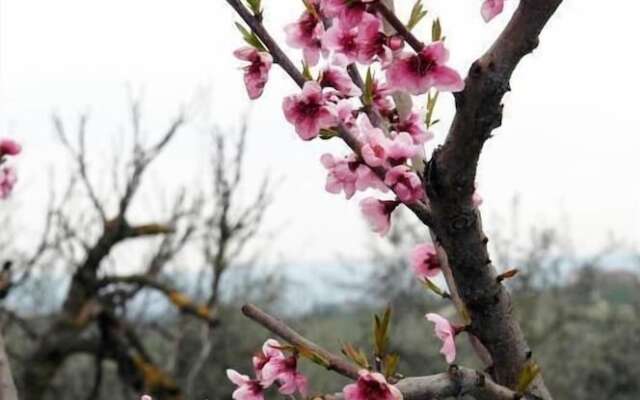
(434, 288)
(436, 30)
(306, 71)
(326, 134)
(391, 362)
(356, 355)
(432, 100)
(311, 9)
(508, 274)
(367, 96)
(417, 14)
(255, 6)
(250, 37)
(530, 371)
(381, 333)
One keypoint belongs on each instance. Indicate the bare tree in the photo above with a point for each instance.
(99, 315)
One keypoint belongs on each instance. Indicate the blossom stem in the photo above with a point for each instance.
(399, 26)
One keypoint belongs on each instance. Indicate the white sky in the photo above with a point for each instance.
(568, 144)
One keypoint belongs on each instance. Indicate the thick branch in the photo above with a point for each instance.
(453, 384)
(451, 178)
(180, 300)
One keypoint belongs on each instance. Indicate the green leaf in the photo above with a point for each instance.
(356, 355)
(306, 71)
(255, 6)
(311, 9)
(431, 105)
(381, 332)
(530, 371)
(391, 362)
(326, 134)
(436, 30)
(250, 37)
(417, 14)
(434, 288)
(367, 96)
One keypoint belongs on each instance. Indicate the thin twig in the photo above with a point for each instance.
(335, 363)
(399, 26)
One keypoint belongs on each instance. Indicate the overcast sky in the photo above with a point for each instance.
(568, 145)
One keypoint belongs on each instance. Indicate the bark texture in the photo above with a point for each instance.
(450, 180)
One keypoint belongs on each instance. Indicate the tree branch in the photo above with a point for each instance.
(180, 300)
(450, 181)
(388, 14)
(335, 363)
(456, 382)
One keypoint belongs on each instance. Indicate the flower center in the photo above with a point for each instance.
(422, 64)
(308, 109)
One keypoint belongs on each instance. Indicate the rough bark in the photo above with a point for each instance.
(450, 180)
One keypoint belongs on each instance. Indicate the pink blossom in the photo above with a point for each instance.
(256, 73)
(345, 114)
(491, 8)
(342, 40)
(284, 370)
(380, 94)
(401, 148)
(306, 34)
(378, 213)
(342, 174)
(8, 179)
(373, 42)
(424, 261)
(349, 12)
(145, 397)
(417, 73)
(248, 389)
(371, 386)
(270, 350)
(414, 126)
(308, 111)
(348, 174)
(368, 179)
(9, 147)
(476, 199)
(446, 332)
(375, 148)
(405, 183)
(338, 79)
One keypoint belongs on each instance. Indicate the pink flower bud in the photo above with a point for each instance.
(396, 42)
(424, 261)
(9, 147)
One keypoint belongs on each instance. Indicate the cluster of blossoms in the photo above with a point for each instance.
(336, 37)
(8, 175)
(271, 366)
